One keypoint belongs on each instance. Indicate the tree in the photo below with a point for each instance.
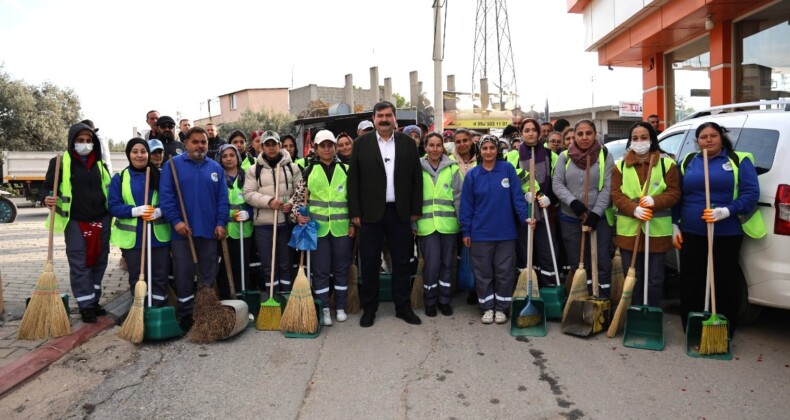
(264, 120)
(401, 102)
(35, 118)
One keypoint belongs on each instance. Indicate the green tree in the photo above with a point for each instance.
(401, 102)
(264, 120)
(35, 118)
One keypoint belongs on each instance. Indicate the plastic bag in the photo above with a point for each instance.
(466, 279)
(305, 237)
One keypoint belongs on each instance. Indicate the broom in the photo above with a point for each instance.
(417, 287)
(528, 274)
(45, 315)
(714, 338)
(132, 329)
(617, 278)
(624, 301)
(352, 303)
(300, 315)
(530, 315)
(579, 282)
(270, 313)
(213, 320)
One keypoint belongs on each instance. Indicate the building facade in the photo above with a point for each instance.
(233, 104)
(693, 53)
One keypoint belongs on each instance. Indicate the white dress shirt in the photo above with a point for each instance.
(387, 149)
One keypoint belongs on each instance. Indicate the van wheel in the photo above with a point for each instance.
(7, 210)
(747, 313)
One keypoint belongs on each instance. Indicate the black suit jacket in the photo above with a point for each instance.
(367, 181)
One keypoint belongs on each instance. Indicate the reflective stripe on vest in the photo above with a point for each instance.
(438, 213)
(328, 201)
(236, 199)
(124, 231)
(661, 223)
(63, 205)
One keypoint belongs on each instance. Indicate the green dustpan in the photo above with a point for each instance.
(319, 311)
(644, 328)
(161, 324)
(554, 299)
(694, 336)
(538, 330)
(252, 298)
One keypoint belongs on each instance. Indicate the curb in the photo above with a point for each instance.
(38, 360)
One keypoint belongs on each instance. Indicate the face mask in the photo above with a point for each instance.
(83, 149)
(640, 147)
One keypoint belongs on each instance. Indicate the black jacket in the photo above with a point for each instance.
(367, 181)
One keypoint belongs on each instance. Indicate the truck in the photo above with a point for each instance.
(23, 175)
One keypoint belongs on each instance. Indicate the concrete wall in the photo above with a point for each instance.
(300, 97)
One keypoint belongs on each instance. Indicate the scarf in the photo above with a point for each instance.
(464, 167)
(91, 231)
(579, 157)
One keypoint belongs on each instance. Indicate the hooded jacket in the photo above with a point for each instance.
(88, 201)
(258, 192)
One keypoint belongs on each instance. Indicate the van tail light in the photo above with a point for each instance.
(782, 218)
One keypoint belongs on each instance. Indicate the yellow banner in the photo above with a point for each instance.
(479, 123)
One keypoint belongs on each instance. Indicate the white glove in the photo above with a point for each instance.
(643, 214)
(544, 201)
(242, 216)
(142, 211)
(155, 215)
(647, 201)
(715, 215)
(530, 197)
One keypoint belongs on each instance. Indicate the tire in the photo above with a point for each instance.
(7, 210)
(747, 313)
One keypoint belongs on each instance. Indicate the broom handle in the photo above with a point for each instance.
(551, 245)
(530, 234)
(145, 222)
(594, 261)
(647, 258)
(639, 225)
(274, 231)
(241, 256)
(148, 264)
(586, 199)
(58, 160)
(183, 211)
(710, 233)
(228, 266)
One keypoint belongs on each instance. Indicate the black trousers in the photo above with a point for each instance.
(401, 243)
(234, 251)
(728, 276)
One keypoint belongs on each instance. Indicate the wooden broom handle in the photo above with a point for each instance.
(183, 210)
(531, 211)
(145, 222)
(274, 229)
(58, 159)
(710, 232)
(228, 267)
(639, 225)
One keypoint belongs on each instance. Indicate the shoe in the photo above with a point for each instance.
(88, 315)
(430, 311)
(367, 320)
(100, 311)
(488, 317)
(445, 309)
(327, 317)
(186, 323)
(471, 299)
(408, 315)
(500, 317)
(341, 315)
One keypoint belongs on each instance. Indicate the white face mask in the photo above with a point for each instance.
(640, 147)
(83, 149)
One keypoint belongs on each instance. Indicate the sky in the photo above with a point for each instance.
(123, 58)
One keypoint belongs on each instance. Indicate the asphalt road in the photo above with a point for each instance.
(26, 212)
(450, 367)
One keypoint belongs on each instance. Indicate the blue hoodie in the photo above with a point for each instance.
(489, 200)
(124, 211)
(205, 196)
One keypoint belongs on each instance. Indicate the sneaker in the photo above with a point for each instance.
(500, 317)
(341, 315)
(88, 315)
(327, 317)
(488, 317)
(445, 309)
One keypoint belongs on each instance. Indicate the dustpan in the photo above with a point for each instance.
(538, 330)
(553, 296)
(644, 325)
(158, 323)
(592, 314)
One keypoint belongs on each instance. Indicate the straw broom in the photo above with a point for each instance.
(579, 283)
(352, 303)
(300, 315)
(132, 329)
(45, 315)
(714, 338)
(617, 278)
(270, 314)
(417, 287)
(530, 315)
(528, 274)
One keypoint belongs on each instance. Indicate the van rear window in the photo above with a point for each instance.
(762, 144)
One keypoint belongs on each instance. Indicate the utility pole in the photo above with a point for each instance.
(438, 55)
(492, 36)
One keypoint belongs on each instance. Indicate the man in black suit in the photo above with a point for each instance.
(384, 197)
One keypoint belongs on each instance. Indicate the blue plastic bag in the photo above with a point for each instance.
(305, 237)
(466, 279)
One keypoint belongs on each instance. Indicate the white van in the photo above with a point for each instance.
(764, 132)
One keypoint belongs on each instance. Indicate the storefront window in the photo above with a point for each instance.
(762, 54)
(687, 80)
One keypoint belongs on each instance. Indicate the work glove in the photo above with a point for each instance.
(647, 201)
(677, 237)
(157, 213)
(241, 216)
(142, 211)
(578, 208)
(543, 201)
(592, 220)
(643, 214)
(530, 197)
(715, 215)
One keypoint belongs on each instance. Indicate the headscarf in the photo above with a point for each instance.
(218, 158)
(153, 182)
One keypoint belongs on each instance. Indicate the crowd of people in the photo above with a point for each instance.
(400, 192)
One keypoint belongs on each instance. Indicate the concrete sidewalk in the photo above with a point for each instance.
(23, 251)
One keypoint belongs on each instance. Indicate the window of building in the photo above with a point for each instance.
(233, 101)
(762, 54)
(687, 80)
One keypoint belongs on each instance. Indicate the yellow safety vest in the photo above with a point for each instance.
(661, 223)
(124, 231)
(438, 213)
(236, 199)
(247, 162)
(63, 205)
(329, 201)
(609, 212)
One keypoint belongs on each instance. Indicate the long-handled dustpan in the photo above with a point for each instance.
(553, 297)
(160, 323)
(594, 313)
(644, 325)
(528, 316)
